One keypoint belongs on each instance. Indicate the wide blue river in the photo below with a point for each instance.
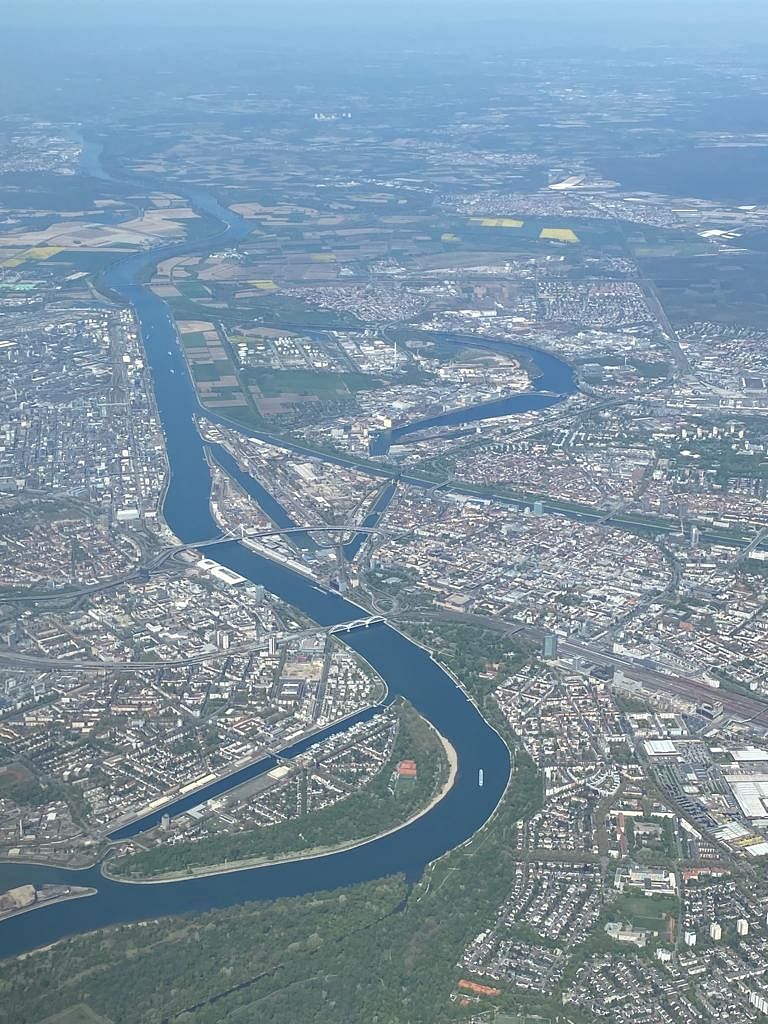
(407, 669)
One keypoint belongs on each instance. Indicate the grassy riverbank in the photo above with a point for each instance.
(377, 808)
(368, 952)
(358, 953)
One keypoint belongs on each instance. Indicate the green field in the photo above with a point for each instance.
(645, 911)
(318, 383)
(193, 289)
(195, 339)
(213, 370)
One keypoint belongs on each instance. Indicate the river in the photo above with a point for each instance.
(407, 669)
(553, 382)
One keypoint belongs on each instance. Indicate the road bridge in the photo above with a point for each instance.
(347, 627)
(157, 562)
(242, 535)
(22, 659)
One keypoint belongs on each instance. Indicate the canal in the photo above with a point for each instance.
(407, 669)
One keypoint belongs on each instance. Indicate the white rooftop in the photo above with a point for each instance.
(751, 793)
(750, 754)
(659, 748)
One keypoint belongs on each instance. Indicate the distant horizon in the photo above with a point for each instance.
(601, 18)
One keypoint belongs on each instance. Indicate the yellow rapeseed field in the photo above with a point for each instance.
(497, 222)
(559, 234)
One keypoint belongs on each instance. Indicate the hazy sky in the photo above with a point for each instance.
(552, 17)
(111, 47)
